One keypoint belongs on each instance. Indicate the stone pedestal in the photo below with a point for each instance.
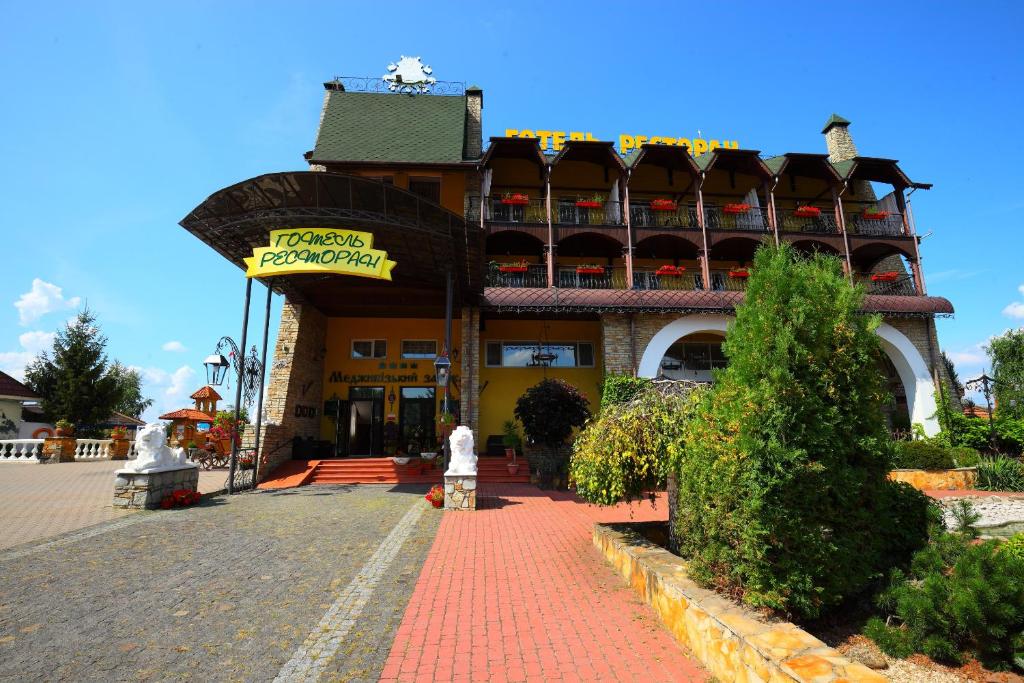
(460, 492)
(119, 449)
(59, 448)
(145, 490)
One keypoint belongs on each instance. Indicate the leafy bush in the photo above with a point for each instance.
(627, 449)
(923, 455)
(974, 432)
(550, 410)
(957, 598)
(1015, 546)
(617, 389)
(964, 456)
(1000, 474)
(783, 481)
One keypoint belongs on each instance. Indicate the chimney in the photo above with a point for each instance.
(837, 138)
(473, 146)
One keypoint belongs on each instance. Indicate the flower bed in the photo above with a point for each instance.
(736, 208)
(180, 498)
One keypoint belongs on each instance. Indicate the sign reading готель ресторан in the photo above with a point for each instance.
(319, 250)
(556, 139)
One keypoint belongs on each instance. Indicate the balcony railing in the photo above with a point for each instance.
(609, 278)
(644, 214)
(732, 217)
(900, 284)
(504, 276)
(583, 212)
(797, 220)
(509, 210)
(880, 224)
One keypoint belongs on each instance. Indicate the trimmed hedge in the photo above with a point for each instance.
(618, 389)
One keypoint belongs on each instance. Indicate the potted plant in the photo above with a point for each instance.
(436, 495)
(515, 267)
(428, 459)
(64, 428)
(549, 412)
(515, 198)
(391, 435)
(590, 269)
(663, 205)
(807, 212)
(594, 202)
(510, 438)
(874, 214)
(740, 273)
(887, 276)
(670, 270)
(119, 443)
(736, 208)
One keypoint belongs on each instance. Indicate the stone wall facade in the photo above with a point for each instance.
(469, 396)
(460, 492)
(145, 490)
(961, 479)
(474, 123)
(296, 378)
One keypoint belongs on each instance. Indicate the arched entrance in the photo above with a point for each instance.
(907, 361)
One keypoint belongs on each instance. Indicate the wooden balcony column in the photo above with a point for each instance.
(705, 255)
(769, 206)
(837, 206)
(624, 187)
(550, 247)
(903, 203)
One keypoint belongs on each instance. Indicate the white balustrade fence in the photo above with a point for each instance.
(20, 450)
(93, 449)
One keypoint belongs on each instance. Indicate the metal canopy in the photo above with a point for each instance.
(425, 239)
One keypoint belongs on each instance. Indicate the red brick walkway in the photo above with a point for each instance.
(516, 591)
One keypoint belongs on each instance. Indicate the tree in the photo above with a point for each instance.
(783, 477)
(130, 400)
(1007, 355)
(954, 378)
(74, 378)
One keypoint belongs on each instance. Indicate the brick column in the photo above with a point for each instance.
(296, 378)
(469, 397)
(615, 346)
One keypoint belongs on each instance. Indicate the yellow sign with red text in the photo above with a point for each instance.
(319, 250)
(556, 139)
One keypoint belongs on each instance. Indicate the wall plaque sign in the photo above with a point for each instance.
(319, 250)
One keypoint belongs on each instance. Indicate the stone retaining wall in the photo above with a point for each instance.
(960, 479)
(459, 492)
(732, 642)
(145, 490)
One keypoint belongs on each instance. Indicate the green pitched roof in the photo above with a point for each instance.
(383, 127)
(775, 163)
(834, 120)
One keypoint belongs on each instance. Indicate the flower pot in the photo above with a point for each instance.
(516, 200)
(739, 274)
(401, 460)
(889, 276)
(807, 212)
(513, 468)
(60, 431)
(512, 269)
(736, 208)
(670, 271)
(588, 205)
(510, 453)
(119, 449)
(663, 205)
(590, 271)
(875, 215)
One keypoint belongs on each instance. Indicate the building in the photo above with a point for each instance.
(191, 424)
(568, 263)
(13, 396)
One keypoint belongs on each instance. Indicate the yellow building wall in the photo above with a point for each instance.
(453, 183)
(341, 371)
(501, 387)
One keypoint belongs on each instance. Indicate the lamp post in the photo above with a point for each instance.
(985, 384)
(249, 375)
(442, 372)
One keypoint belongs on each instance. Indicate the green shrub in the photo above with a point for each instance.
(550, 410)
(616, 389)
(965, 456)
(923, 455)
(782, 491)
(628, 448)
(1015, 546)
(958, 598)
(1000, 474)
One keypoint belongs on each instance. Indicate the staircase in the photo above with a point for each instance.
(385, 471)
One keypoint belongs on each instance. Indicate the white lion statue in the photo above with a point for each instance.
(153, 452)
(464, 457)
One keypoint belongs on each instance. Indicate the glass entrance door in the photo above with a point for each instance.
(366, 421)
(416, 420)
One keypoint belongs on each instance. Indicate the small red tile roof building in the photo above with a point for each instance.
(185, 422)
(12, 388)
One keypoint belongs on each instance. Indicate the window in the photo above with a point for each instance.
(419, 348)
(386, 179)
(428, 188)
(529, 354)
(694, 356)
(369, 348)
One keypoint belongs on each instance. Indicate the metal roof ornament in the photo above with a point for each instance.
(409, 75)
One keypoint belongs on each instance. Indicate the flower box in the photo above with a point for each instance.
(590, 270)
(672, 271)
(588, 204)
(516, 199)
(887, 276)
(512, 269)
(663, 205)
(741, 273)
(736, 208)
(875, 215)
(807, 212)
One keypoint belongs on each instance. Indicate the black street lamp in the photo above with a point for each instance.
(216, 369)
(249, 374)
(442, 373)
(985, 384)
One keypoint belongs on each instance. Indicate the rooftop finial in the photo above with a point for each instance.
(834, 120)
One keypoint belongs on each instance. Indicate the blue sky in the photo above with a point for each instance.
(118, 118)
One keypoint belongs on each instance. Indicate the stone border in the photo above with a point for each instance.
(733, 642)
(958, 479)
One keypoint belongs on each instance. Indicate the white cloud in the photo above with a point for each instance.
(966, 357)
(14, 362)
(169, 390)
(1014, 310)
(37, 341)
(43, 298)
(174, 345)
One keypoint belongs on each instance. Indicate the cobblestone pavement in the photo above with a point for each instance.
(40, 501)
(516, 591)
(229, 590)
